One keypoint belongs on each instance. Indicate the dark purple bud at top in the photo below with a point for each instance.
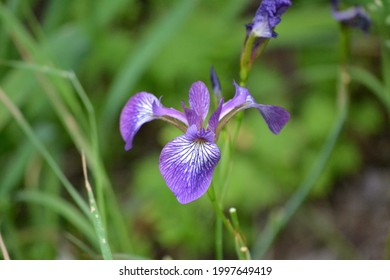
(267, 17)
(355, 17)
(215, 83)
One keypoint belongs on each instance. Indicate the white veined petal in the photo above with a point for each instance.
(187, 166)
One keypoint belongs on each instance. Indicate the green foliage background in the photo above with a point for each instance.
(120, 47)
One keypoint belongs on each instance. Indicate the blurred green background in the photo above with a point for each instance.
(120, 47)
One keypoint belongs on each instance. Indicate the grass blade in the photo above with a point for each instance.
(95, 216)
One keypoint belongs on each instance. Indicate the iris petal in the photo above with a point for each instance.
(187, 164)
(275, 116)
(237, 101)
(199, 99)
(164, 113)
(214, 119)
(137, 111)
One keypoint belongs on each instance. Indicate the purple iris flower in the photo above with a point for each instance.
(187, 163)
(355, 17)
(267, 17)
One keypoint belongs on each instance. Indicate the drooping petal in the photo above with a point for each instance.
(187, 163)
(144, 107)
(137, 111)
(275, 117)
(199, 99)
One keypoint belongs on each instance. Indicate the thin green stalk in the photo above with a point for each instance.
(58, 205)
(43, 151)
(95, 216)
(103, 185)
(94, 137)
(228, 224)
(241, 249)
(386, 70)
(280, 219)
(366, 78)
(219, 220)
(218, 239)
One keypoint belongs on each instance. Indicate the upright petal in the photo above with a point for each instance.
(137, 111)
(214, 119)
(199, 99)
(192, 117)
(187, 164)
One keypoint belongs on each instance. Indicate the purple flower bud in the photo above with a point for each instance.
(215, 83)
(259, 31)
(267, 17)
(355, 17)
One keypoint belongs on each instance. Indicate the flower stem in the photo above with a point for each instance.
(218, 209)
(242, 251)
(280, 219)
(218, 239)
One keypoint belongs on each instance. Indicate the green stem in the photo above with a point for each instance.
(218, 209)
(386, 70)
(218, 239)
(222, 219)
(279, 220)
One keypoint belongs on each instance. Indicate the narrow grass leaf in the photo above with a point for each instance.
(65, 209)
(96, 217)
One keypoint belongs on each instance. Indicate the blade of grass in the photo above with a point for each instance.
(93, 155)
(80, 244)
(56, 89)
(23, 124)
(279, 220)
(95, 216)
(14, 169)
(367, 79)
(103, 184)
(63, 208)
